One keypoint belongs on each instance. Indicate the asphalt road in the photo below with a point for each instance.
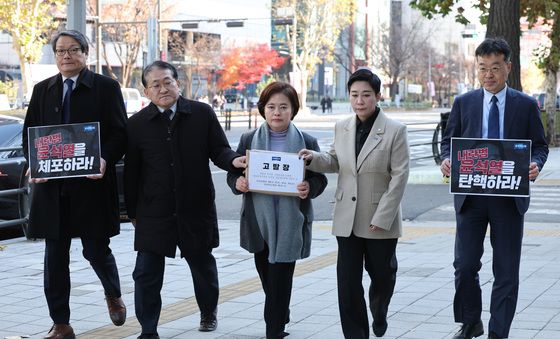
(418, 199)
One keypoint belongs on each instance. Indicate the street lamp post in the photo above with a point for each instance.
(98, 39)
(76, 18)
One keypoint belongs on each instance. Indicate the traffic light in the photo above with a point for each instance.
(190, 25)
(283, 21)
(234, 24)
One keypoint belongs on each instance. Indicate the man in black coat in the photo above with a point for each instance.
(170, 195)
(78, 207)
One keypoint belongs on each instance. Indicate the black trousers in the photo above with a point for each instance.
(57, 272)
(276, 280)
(506, 235)
(381, 264)
(148, 281)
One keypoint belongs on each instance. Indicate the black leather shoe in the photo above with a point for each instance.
(492, 335)
(469, 331)
(379, 330)
(208, 322)
(148, 336)
(282, 335)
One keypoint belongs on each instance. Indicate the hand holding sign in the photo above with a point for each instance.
(103, 164)
(35, 180)
(533, 171)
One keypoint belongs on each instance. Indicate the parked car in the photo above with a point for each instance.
(541, 97)
(12, 173)
(133, 100)
(4, 103)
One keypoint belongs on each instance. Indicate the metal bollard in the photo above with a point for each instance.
(228, 119)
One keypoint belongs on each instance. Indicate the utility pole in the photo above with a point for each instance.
(153, 47)
(98, 37)
(294, 39)
(76, 17)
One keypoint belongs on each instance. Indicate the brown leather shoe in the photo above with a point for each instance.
(117, 310)
(61, 331)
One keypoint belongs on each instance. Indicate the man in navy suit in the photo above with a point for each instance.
(494, 112)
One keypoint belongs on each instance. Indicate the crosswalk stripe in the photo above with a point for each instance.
(543, 211)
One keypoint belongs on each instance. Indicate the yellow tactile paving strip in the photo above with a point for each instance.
(188, 306)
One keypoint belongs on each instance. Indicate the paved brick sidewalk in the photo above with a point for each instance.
(421, 306)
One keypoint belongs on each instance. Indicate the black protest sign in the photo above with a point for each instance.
(490, 167)
(63, 151)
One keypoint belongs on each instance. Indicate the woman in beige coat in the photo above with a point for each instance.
(370, 154)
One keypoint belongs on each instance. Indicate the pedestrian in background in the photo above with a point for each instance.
(170, 194)
(276, 228)
(370, 154)
(323, 104)
(328, 101)
(494, 111)
(85, 208)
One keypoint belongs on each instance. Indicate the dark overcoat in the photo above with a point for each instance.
(168, 184)
(94, 209)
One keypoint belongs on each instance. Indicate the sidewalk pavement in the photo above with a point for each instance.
(422, 305)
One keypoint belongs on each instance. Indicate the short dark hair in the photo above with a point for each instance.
(76, 35)
(494, 46)
(159, 65)
(278, 87)
(364, 74)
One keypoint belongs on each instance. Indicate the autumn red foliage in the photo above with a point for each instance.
(247, 65)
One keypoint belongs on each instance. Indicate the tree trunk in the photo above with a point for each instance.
(503, 21)
(26, 81)
(187, 92)
(303, 95)
(550, 106)
(188, 67)
(551, 69)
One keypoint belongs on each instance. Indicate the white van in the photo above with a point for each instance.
(4, 103)
(133, 101)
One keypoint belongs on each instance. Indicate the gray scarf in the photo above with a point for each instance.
(281, 224)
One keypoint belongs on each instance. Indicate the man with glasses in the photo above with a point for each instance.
(170, 195)
(87, 208)
(493, 112)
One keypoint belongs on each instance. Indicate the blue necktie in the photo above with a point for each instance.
(69, 83)
(494, 120)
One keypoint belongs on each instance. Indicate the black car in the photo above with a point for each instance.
(12, 174)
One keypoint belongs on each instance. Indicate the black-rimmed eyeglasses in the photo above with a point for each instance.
(71, 51)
